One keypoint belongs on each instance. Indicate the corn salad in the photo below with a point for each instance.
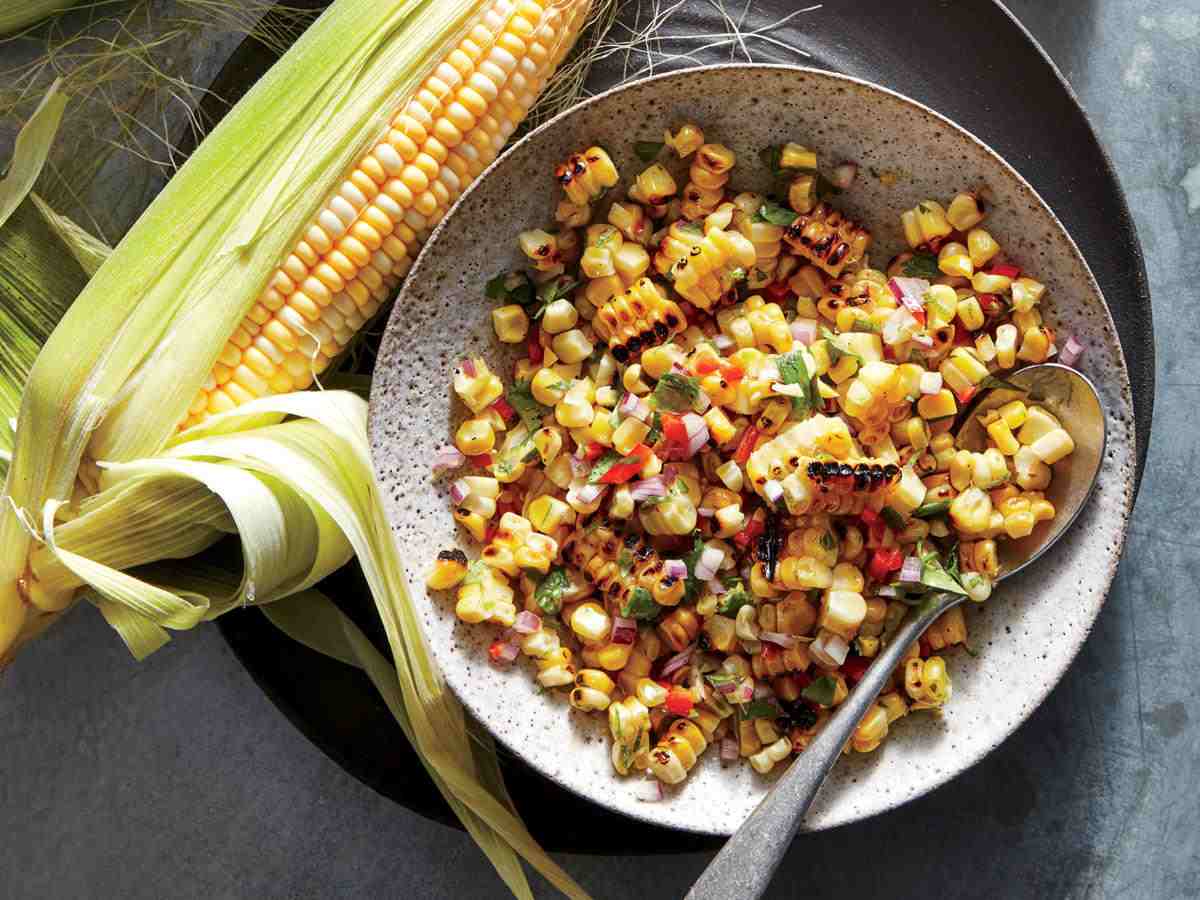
(724, 468)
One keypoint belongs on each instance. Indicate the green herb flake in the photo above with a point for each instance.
(625, 562)
(496, 288)
(676, 392)
(552, 290)
(774, 214)
(922, 265)
(655, 432)
(828, 541)
(771, 157)
(821, 691)
(603, 464)
(520, 398)
(693, 585)
(794, 370)
(550, 590)
(733, 600)
(647, 151)
(894, 520)
(934, 574)
(641, 606)
(476, 572)
(930, 510)
(865, 326)
(760, 709)
(836, 350)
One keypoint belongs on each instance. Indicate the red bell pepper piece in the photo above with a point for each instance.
(746, 447)
(1006, 271)
(778, 290)
(884, 561)
(869, 516)
(680, 701)
(988, 302)
(730, 372)
(747, 535)
(483, 460)
(673, 429)
(593, 452)
(504, 409)
(707, 366)
(628, 467)
(534, 346)
(496, 651)
(855, 667)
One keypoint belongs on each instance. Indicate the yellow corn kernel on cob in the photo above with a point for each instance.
(675, 755)
(356, 250)
(585, 176)
(616, 566)
(828, 435)
(767, 239)
(629, 723)
(703, 264)
(679, 628)
(925, 222)
(828, 239)
(706, 180)
(639, 318)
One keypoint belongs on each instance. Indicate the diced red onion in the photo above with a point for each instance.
(589, 493)
(648, 487)
(910, 571)
(624, 631)
(676, 568)
(729, 749)
(527, 622)
(468, 367)
(885, 590)
(715, 587)
(829, 649)
(931, 382)
(678, 661)
(704, 512)
(723, 342)
(459, 490)
(649, 791)
(1071, 352)
(669, 473)
(727, 687)
(506, 651)
(709, 562)
(447, 458)
(780, 640)
(924, 341)
(909, 291)
(763, 691)
(697, 431)
(769, 371)
(642, 413)
(579, 468)
(628, 404)
(745, 694)
(843, 176)
(804, 331)
(901, 320)
(773, 490)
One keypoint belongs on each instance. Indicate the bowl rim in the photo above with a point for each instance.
(1043, 689)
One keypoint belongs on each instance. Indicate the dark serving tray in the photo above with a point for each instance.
(1002, 87)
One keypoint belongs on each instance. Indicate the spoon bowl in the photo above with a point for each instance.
(747, 862)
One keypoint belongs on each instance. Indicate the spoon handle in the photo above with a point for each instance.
(745, 865)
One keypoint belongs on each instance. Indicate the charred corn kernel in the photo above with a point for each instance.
(842, 612)
(702, 264)
(989, 469)
(774, 661)
(964, 212)
(971, 511)
(607, 397)
(473, 522)
(981, 246)
(1038, 423)
(572, 346)
(979, 556)
(511, 323)
(828, 239)
(773, 416)
(871, 730)
(631, 220)
(639, 318)
(1005, 440)
(448, 571)
(749, 742)
(911, 432)
(630, 262)
(1053, 446)
(548, 387)
(480, 390)
(970, 313)
(1031, 473)
(721, 632)
(585, 176)
(593, 690)
(924, 222)
(1026, 294)
(804, 573)
(927, 682)
(1006, 345)
(675, 755)
(674, 515)
(621, 505)
(540, 246)
(1035, 345)
(559, 316)
(937, 406)
(948, 629)
(759, 585)
(654, 186)
(730, 520)
(954, 260)
(847, 577)
(985, 347)
(766, 759)
(679, 628)
(484, 596)
(574, 412)
(572, 215)
(893, 704)
(590, 623)
(628, 435)
(547, 513)
(475, 436)
(987, 283)
(686, 141)
(597, 551)
(651, 693)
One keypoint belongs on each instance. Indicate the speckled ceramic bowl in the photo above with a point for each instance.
(1025, 636)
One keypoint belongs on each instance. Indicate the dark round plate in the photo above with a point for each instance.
(1002, 87)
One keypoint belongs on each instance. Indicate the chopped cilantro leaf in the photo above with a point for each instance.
(647, 151)
(929, 510)
(550, 590)
(603, 464)
(760, 709)
(554, 289)
(641, 606)
(733, 600)
(775, 214)
(922, 265)
(771, 157)
(793, 370)
(836, 350)
(693, 227)
(625, 562)
(894, 520)
(828, 541)
(692, 584)
(520, 398)
(934, 574)
(676, 392)
(655, 429)
(821, 691)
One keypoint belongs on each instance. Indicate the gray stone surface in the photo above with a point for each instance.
(177, 778)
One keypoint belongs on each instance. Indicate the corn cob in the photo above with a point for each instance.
(354, 253)
(641, 317)
(601, 554)
(828, 239)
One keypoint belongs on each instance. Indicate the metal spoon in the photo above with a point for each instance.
(744, 867)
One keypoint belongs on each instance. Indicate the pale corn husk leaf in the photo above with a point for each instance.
(89, 251)
(18, 14)
(30, 151)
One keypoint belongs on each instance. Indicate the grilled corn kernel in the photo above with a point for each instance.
(937, 406)
(971, 511)
(871, 730)
(1031, 473)
(953, 260)
(1006, 345)
(1026, 293)
(970, 313)
(547, 513)
(449, 570)
(511, 323)
(941, 306)
(1006, 441)
(1013, 413)
(548, 387)
(480, 390)
(590, 623)
(842, 612)
(658, 361)
(982, 247)
(964, 212)
(632, 381)
(475, 436)
(628, 435)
